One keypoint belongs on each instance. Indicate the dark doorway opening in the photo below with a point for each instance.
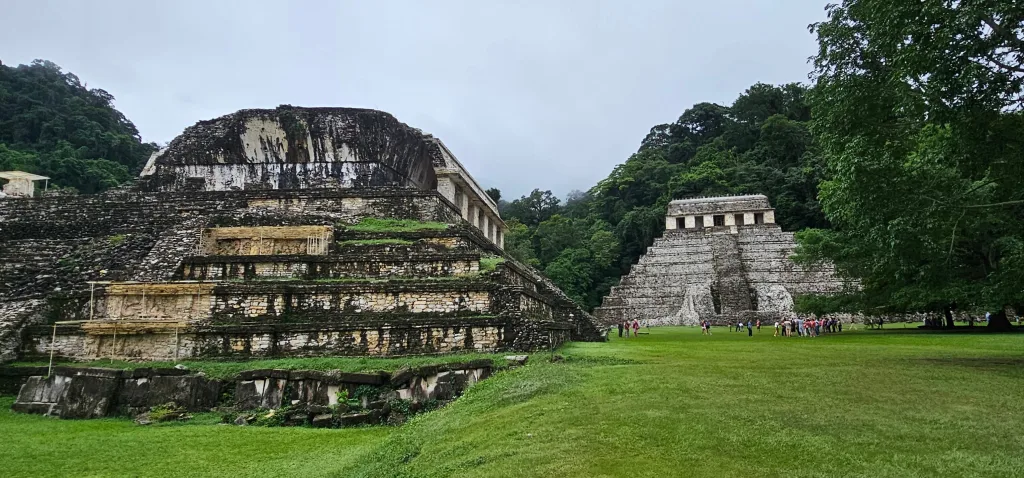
(758, 218)
(680, 223)
(719, 219)
(739, 219)
(698, 222)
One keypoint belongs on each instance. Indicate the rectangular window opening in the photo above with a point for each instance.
(698, 222)
(758, 218)
(739, 219)
(719, 220)
(680, 223)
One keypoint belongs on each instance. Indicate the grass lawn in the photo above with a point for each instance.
(673, 403)
(228, 368)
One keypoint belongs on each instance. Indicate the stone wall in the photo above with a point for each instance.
(311, 395)
(375, 265)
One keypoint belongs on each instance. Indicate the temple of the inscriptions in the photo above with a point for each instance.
(721, 259)
(283, 232)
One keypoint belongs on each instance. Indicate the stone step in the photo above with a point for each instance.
(614, 314)
(610, 301)
(198, 300)
(386, 265)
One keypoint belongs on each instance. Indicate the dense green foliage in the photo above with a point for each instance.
(883, 404)
(759, 144)
(52, 124)
(918, 110)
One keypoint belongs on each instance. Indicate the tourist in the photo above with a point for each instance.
(620, 330)
(636, 327)
(626, 325)
(776, 334)
(750, 329)
(709, 326)
(739, 326)
(840, 323)
(817, 327)
(703, 328)
(758, 325)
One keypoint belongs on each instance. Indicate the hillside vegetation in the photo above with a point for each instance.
(53, 124)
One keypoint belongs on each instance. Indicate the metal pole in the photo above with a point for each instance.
(53, 348)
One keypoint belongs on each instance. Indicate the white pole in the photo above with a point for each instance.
(92, 296)
(113, 345)
(53, 348)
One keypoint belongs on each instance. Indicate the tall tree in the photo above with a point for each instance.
(918, 111)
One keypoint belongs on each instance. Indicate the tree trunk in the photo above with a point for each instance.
(999, 321)
(949, 317)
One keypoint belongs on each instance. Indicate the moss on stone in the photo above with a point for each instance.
(376, 242)
(490, 263)
(371, 224)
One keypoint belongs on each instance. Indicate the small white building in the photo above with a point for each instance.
(723, 211)
(21, 184)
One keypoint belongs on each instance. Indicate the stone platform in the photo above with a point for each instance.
(242, 238)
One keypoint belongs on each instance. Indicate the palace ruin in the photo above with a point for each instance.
(238, 240)
(722, 259)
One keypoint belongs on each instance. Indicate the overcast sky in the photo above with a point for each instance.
(540, 94)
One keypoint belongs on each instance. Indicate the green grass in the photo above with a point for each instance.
(116, 447)
(376, 242)
(889, 403)
(227, 369)
(371, 224)
(490, 263)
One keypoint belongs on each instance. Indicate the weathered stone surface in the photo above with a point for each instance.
(193, 393)
(359, 418)
(323, 421)
(89, 396)
(260, 393)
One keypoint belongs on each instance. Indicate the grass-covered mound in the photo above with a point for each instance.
(227, 368)
(672, 403)
(373, 224)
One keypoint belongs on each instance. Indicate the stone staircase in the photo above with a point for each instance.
(24, 262)
(731, 286)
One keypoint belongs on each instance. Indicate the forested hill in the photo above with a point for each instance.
(759, 144)
(52, 124)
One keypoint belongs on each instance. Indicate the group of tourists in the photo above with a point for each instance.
(624, 326)
(807, 328)
(705, 327)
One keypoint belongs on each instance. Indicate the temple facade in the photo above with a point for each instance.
(284, 232)
(721, 259)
